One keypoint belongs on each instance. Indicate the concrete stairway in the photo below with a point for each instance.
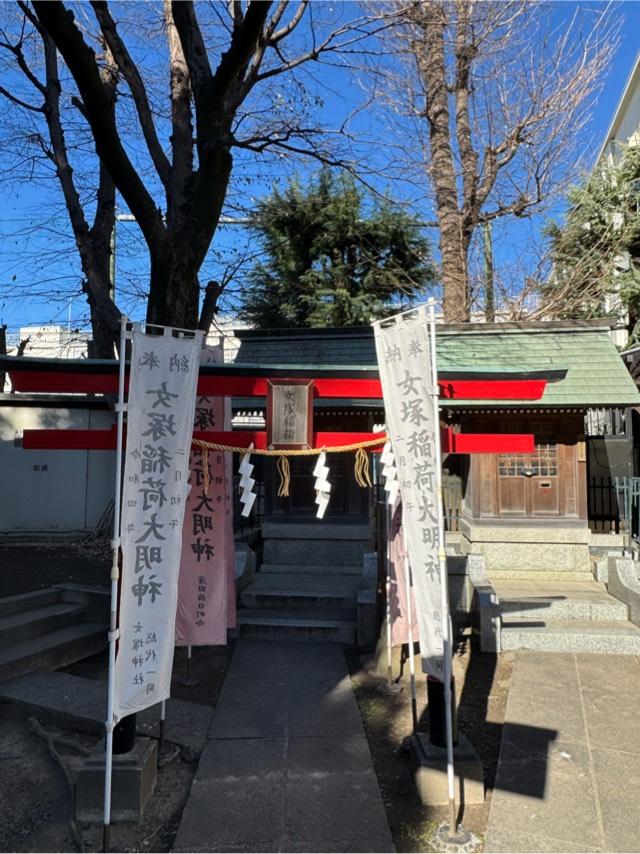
(41, 631)
(564, 616)
(307, 587)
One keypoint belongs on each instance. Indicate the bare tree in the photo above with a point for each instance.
(176, 191)
(504, 93)
(92, 242)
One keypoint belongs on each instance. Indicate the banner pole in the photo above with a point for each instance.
(388, 599)
(444, 583)
(410, 643)
(115, 574)
(188, 681)
(163, 712)
(390, 687)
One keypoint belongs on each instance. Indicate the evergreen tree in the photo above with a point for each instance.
(333, 258)
(596, 252)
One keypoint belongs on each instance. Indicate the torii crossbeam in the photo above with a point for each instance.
(89, 376)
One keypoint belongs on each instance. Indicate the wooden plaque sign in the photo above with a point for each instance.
(290, 414)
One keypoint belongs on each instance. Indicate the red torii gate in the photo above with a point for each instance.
(65, 376)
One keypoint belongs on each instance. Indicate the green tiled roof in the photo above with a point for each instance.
(596, 375)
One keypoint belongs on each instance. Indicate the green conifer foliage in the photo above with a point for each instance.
(333, 257)
(596, 252)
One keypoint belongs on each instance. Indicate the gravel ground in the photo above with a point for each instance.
(482, 686)
(30, 567)
(36, 799)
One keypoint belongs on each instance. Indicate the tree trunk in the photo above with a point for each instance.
(432, 20)
(489, 285)
(209, 305)
(174, 292)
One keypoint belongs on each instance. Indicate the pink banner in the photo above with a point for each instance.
(231, 550)
(398, 591)
(206, 592)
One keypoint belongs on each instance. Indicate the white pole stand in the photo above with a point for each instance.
(115, 575)
(390, 687)
(410, 645)
(444, 583)
(163, 715)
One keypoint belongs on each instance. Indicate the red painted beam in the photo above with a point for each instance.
(492, 389)
(69, 440)
(105, 440)
(452, 443)
(66, 382)
(492, 443)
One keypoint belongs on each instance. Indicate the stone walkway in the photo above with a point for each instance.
(287, 766)
(569, 772)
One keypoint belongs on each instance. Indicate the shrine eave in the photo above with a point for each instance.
(93, 376)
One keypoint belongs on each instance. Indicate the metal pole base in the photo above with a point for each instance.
(461, 841)
(391, 688)
(189, 681)
(106, 837)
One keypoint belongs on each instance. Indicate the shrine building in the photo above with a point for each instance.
(543, 512)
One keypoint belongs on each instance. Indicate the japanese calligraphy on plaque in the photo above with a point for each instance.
(404, 360)
(162, 396)
(290, 413)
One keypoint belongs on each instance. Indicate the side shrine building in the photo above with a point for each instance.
(544, 512)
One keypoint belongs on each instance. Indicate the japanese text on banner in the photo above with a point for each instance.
(205, 608)
(404, 360)
(162, 392)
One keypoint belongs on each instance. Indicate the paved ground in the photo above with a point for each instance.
(287, 767)
(569, 771)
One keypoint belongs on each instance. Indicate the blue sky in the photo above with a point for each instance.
(38, 266)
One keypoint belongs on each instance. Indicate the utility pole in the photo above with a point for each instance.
(112, 245)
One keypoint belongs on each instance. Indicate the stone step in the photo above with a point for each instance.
(275, 624)
(74, 702)
(304, 592)
(315, 552)
(28, 624)
(52, 650)
(571, 607)
(316, 529)
(617, 638)
(29, 601)
(311, 569)
(541, 575)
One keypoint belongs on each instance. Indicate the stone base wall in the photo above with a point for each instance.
(518, 551)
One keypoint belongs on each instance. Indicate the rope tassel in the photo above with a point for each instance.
(285, 476)
(362, 472)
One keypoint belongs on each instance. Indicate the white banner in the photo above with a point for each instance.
(162, 394)
(404, 360)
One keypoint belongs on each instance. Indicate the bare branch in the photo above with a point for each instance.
(136, 85)
(99, 104)
(181, 119)
(19, 102)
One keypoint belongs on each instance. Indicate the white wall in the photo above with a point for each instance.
(52, 491)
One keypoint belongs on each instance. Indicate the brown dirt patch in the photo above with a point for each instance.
(482, 687)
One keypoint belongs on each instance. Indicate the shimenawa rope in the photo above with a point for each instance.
(361, 470)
